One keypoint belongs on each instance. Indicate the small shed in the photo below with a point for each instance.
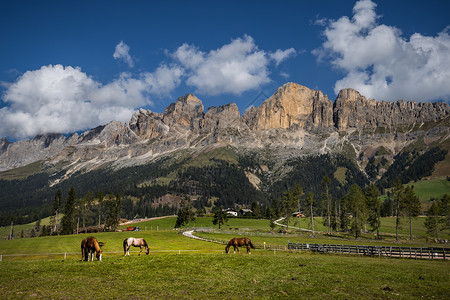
(298, 214)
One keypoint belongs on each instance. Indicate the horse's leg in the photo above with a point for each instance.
(141, 250)
(248, 249)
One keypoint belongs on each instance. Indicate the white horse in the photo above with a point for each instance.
(127, 243)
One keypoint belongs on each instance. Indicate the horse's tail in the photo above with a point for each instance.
(125, 244)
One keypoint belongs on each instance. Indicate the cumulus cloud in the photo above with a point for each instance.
(234, 68)
(281, 55)
(122, 53)
(62, 99)
(382, 64)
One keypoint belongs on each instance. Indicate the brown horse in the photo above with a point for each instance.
(127, 243)
(88, 246)
(238, 242)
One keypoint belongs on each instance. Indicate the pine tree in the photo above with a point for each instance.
(444, 208)
(113, 212)
(220, 216)
(357, 204)
(326, 198)
(185, 215)
(55, 211)
(411, 205)
(289, 200)
(397, 200)
(374, 208)
(344, 215)
(100, 198)
(311, 202)
(432, 220)
(67, 221)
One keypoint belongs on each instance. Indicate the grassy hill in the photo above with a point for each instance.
(433, 188)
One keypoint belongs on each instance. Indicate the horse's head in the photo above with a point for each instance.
(99, 255)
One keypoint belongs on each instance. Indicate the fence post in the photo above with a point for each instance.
(65, 255)
(1, 257)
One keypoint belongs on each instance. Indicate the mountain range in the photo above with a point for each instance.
(353, 136)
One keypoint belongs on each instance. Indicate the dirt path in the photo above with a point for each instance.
(143, 220)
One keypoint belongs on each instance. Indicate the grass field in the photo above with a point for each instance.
(201, 270)
(261, 275)
(434, 188)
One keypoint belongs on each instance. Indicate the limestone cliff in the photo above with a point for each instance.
(352, 110)
(292, 105)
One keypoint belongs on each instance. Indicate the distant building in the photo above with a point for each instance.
(231, 212)
(298, 214)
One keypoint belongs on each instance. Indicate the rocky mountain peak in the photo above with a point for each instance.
(352, 110)
(291, 105)
(222, 117)
(187, 112)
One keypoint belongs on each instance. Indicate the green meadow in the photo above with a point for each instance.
(433, 188)
(183, 268)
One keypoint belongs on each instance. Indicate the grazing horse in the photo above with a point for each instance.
(127, 243)
(88, 247)
(238, 242)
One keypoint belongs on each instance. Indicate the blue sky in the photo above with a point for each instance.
(67, 66)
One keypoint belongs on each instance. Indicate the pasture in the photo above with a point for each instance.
(182, 268)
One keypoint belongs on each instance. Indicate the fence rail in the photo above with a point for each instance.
(390, 251)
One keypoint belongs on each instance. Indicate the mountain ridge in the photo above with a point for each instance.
(295, 118)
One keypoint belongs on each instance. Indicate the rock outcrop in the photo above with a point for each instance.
(292, 105)
(352, 110)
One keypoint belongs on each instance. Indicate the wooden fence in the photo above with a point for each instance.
(390, 251)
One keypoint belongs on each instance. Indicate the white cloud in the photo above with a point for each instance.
(64, 99)
(382, 64)
(281, 55)
(122, 53)
(234, 68)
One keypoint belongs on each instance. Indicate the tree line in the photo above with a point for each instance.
(359, 210)
(72, 214)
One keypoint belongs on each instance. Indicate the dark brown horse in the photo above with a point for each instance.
(239, 242)
(89, 246)
(127, 243)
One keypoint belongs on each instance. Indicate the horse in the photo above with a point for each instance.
(238, 242)
(88, 246)
(127, 243)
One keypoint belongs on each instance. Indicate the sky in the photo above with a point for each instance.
(67, 66)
